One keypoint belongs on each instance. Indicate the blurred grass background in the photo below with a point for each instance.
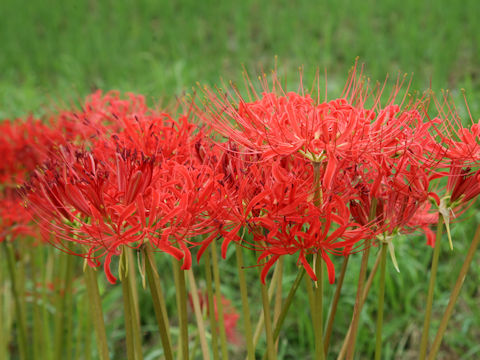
(61, 50)
(54, 51)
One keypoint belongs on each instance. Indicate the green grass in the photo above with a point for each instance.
(61, 50)
(56, 52)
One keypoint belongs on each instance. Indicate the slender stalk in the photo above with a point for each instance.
(127, 307)
(431, 290)
(211, 304)
(361, 280)
(20, 316)
(158, 302)
(454, 296)
(271, 353)
(317, 315)
(368, 286)
(245, 307)
(358, 303)
(198, 315)
(68, 295)
(182, 308)
(261, 320)
(286, 305)
(333, 310)
(218, 296)
(63, 294)
(134, 289)
(38, 335)
(381, 298)
(277, 307)
(46, 318)
(134, 344)
(95, 305)
(3, 328)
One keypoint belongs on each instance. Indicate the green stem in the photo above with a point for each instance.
(218, 296)
(381, 298)
(61, 305)
(358, 302)
(181, 291)
(158, 301)
(286, 305)
(20, 317)
(95, 304)
(368, 285)
(198, 315)
(211, 304)
(333, 310)
(361, 281)
(134, 294)
(271, 354)
(127, 306)
(454, 296)
(134, 344)
(245, 307)
(277, 308)
(431, 290)
(46, 318)
(38, 335)
(260, 322)
(317, 315)
(3, 328)
(68, 295)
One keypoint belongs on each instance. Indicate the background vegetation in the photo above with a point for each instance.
(56, 52)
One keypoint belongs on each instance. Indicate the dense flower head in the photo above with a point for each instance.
(320, 176)
(143, 182)
(24, 145)
(291, 174)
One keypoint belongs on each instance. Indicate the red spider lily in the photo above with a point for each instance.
(387, 152)
(141, 180)
(24, 145)
(273, 201)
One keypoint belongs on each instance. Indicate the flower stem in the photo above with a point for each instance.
(198, 315)
(181, 292)
(271, 354)
(358, 303)
(317, 315)
(431, 289)
(277, 308)
(245, 307)
(361, 280)
(368, 285)
(286, 305)
(63, 313)
(260, 322)
(333, 311)
(95, 303)
(381, 298)
(3, 327)
(20, 316)
(218, 297)
(134, 345)
(211, 304)
(454, 296)
(158, 301)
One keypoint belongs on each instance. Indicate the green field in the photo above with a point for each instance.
(53, 53)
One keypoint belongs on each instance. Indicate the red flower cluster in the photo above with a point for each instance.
(302, 176)
(128, 177)
(320, 177)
